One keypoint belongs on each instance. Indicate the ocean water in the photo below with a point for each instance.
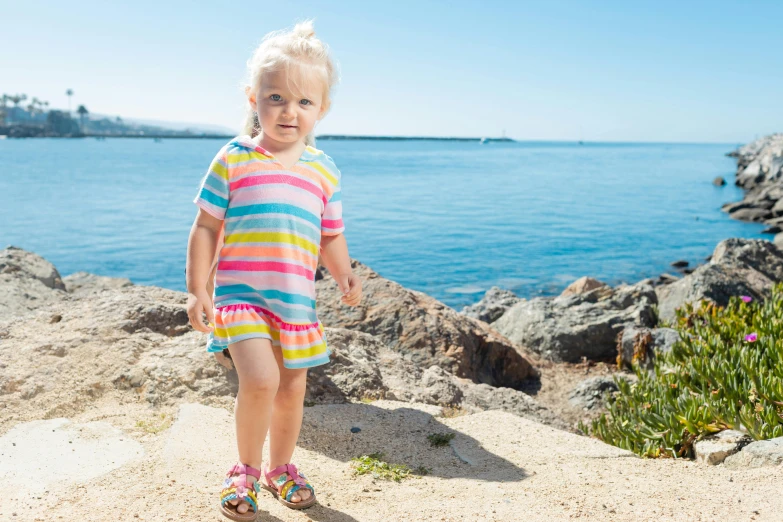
(450, 219)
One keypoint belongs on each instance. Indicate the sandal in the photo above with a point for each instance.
(238, 488)
(288, 482)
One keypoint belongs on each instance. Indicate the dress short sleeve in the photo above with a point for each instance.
(214, 191)
(332, 219)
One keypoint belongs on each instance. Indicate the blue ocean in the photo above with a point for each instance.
(447, 218)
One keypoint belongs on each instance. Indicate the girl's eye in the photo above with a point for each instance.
(305, 102)
(275, 97)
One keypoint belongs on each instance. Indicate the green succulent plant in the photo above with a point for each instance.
(725, 372)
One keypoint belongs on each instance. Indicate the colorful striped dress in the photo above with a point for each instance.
(273, 220)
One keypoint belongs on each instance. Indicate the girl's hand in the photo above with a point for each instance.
(351, 287)
(200, 303)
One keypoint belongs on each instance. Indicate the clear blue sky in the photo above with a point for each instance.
(554, 70)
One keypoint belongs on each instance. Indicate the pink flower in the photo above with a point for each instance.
(751, 338)
(746, 298)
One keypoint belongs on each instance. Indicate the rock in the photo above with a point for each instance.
(567, 328)
(583, 285)
(719, 181)
(751, 214)
(166, 319)
(352, 373)
(778, 241)
(759, 172)
(28, 282)
(680, 264)
(424, 330)
(494, 304)
(777, 209)
(83, 283)
(757, 254)
(485, 397)
(776, 221)
(739, 205)
(363, 368)
(750, 175)
(667, 278)
(643, 344)
(772, 230)
(14, 260)
(591, 393)
(715, 448)
(757, 454)
(738, 267)
(134, 342)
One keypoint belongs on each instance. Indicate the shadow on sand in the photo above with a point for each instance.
(401, 435)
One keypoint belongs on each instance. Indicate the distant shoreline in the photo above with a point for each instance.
(406, 138)
(228, 137)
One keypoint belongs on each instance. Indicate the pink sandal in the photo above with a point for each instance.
(289, 482)
(239, 488)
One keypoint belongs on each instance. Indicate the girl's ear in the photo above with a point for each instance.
(322, 112)
(251, 97)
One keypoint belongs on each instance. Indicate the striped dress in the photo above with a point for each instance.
(273, 220)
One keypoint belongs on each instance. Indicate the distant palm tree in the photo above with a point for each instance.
(83, 112)
(69, 93)
(3, 106)
(35, 106)
(17, 99)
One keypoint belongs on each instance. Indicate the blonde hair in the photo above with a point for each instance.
(297, 51)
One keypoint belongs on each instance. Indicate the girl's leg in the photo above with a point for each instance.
(287, 418)
(258, 381)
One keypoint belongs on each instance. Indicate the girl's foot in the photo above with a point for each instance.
(239, 497)
(242, 507)
(289, 486)
(300, 495)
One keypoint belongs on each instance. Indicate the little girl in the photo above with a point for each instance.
(275, 201)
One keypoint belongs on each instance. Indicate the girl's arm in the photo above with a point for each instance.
(211, 279)
(334, 253)
(202, 245)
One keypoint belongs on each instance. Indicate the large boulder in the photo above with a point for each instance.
(128, 342)
(424, 330)
(737, 267)
(567, 328)
(493, 305)
(28, 282)
(363, 368)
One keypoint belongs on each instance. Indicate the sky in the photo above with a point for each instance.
(550, 70)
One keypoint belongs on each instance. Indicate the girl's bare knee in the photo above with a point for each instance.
(259, 385)
(293, 383)
(258, 373)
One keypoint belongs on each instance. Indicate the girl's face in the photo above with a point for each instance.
(286, 116)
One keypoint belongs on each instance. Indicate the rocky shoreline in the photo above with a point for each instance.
(759, 173)
(511, 372)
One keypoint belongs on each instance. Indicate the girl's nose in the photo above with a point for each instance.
(288, 111)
